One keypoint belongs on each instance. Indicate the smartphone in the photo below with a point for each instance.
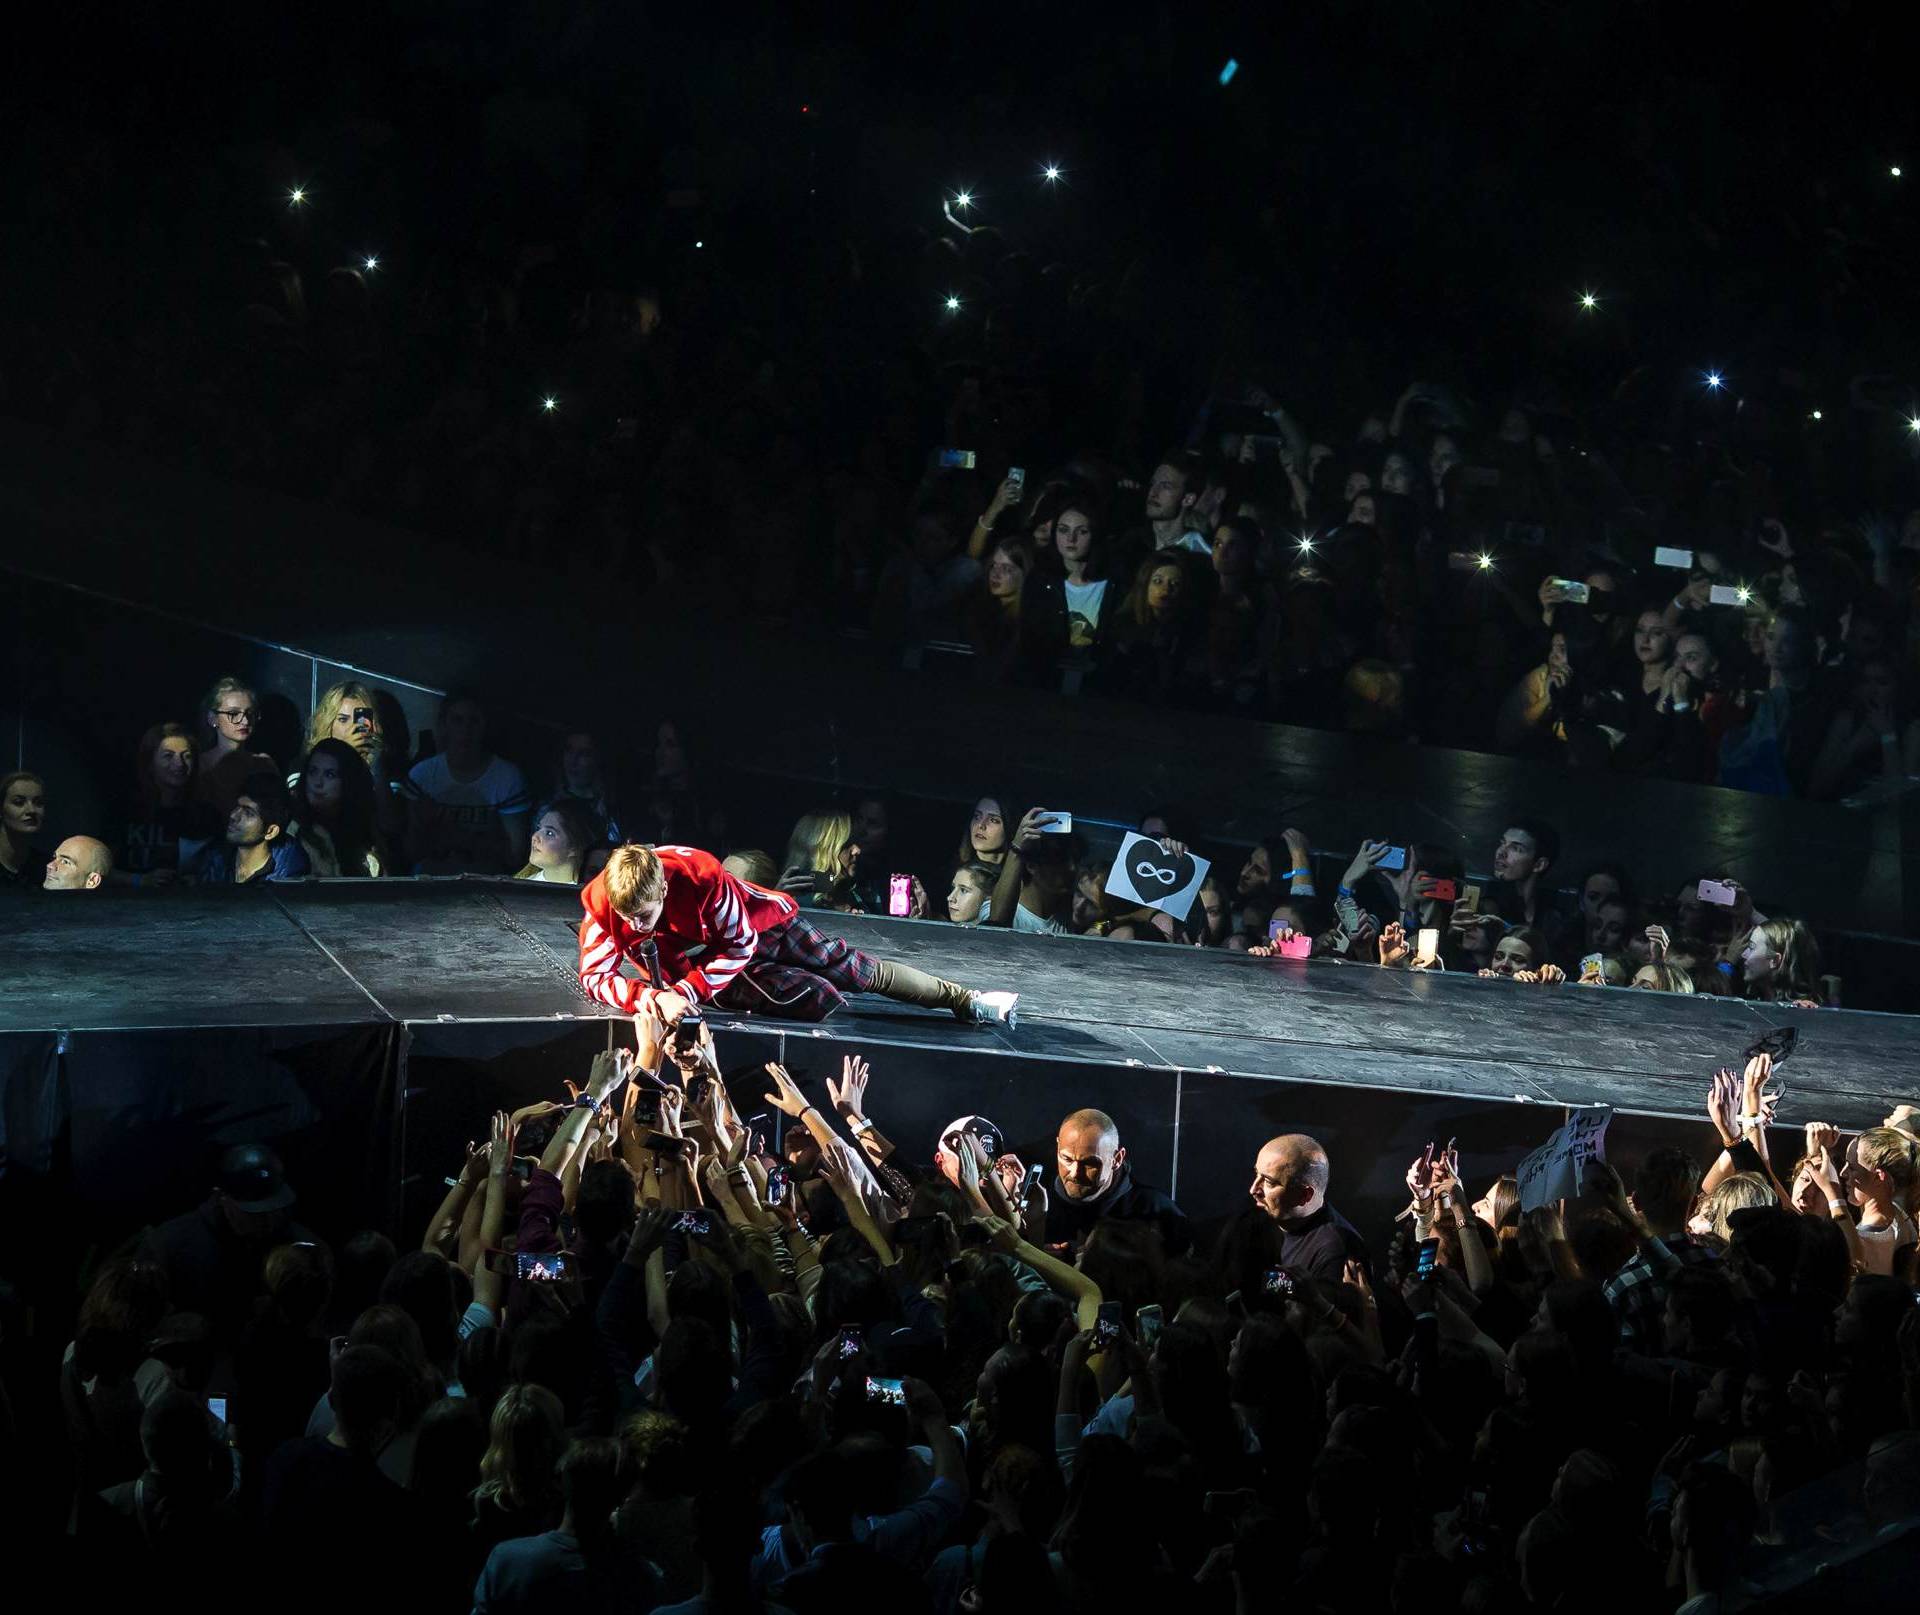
(1278, 1281)
(1461, 561)
(1036, 1174)
(522, 1168)
(698, 1222)
(1018, 478)
(899, 895)
(686, 1030)
(1718, 891)
(759, 1129)
(1681, 560)
(779, 1182)
(1575, 593)
(1266, 447)
(1106, 1328)
(956, 459)
(1297, 947)
(217, 1406)
(1147, 1323)
(1428, 946)
(497, 1261)
(1469, 900)
(1592, 962)
(1393, 858)
(1054, 824)
(851, 1342)
(667, 1144)
(1423, 1270)
(892, 1392)
(543, 1267)
(1724, 594)
(1443, 891)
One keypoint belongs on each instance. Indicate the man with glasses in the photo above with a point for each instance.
(257, 846)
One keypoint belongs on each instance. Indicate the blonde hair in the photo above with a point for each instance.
(750, 863)
(224, 685)
(320, 721)
(634, 878)
(1741, 1192)
(524, 1443)
(1888, 1150)
(1798, 973)
(819, 843)
(1670, 978)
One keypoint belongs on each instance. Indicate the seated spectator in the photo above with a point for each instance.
(751, 864)
(971, 893)
(23, 811)
(78, 864)
(583, 783)
(1069, 598)
(1033, 891)
(1875, 736)
(258, 846)
(582, 1563)
(1290, 1178)
(985, 839)
(562, 842)
(996, 627)
(1521, 955)
(1780, 962)
(468, 814)
(1173, 493)
(1517, 892)
(229, 714)
(1152, 632)
(820, 860)
(163, 813)
(1093, 1181)
(333, 809)
(351, 713)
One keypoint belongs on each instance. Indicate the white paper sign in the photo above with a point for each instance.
(1553, 1172)
(1143, 874)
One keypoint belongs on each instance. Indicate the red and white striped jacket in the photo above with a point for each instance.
(709, 926)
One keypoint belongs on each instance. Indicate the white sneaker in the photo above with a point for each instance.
(993, 1009)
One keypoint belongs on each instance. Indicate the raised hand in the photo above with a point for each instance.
(1001, 1234)
(848, 1096)
(1723, 1100)
(500, 1143)
(786, 1096)
(1393, 948)
(1657, 943)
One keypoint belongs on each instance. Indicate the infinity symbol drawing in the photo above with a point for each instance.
(1147, 871)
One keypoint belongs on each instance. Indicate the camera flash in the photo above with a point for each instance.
(1589, 301)
(1744, 593)
(296, 196)
(372, 264)
(549, 404)
(1053, 172)
(953, 305)
(1713, 380)
(964, 199)
(1486, 563)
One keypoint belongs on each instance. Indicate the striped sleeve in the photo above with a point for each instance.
(600, 969)
(730, 940)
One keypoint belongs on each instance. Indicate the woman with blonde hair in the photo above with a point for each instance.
(230, 714)
(349, 712)
(1781, 963)
(819, 863)
(519, 1490)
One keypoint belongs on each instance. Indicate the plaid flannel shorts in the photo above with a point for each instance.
(799, 972)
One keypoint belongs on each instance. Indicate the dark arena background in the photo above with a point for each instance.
(1323, 436)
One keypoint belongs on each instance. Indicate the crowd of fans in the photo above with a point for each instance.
(656, 1351)
(206, 806)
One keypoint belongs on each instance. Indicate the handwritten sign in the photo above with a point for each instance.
(1142, 873)
(1553, 1172)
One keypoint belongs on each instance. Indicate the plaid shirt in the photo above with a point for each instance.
(1639, 1290)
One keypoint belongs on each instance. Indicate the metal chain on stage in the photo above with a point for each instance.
(571, 975)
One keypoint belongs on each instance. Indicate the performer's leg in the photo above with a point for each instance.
(768, 988)
(801, 943)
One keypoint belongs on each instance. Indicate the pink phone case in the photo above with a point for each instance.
(1296, 947)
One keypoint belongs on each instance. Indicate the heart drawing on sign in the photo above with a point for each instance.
(1161, 873)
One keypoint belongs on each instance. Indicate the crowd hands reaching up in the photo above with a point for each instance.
(697, 1339)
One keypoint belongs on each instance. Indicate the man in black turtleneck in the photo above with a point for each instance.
(1092, 1181)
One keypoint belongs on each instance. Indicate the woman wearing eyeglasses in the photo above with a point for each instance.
(230, 715)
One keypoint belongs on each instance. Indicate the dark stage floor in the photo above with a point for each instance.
(431, 953)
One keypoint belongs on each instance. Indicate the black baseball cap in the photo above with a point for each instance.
(252, 1177)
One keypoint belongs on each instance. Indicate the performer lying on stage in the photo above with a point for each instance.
(701, 935)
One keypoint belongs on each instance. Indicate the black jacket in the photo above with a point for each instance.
(1126, 1200)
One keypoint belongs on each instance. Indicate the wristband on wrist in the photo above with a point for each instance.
(859, 1126)
(1346, 891)
(1836, 1206)
(1300, 874)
